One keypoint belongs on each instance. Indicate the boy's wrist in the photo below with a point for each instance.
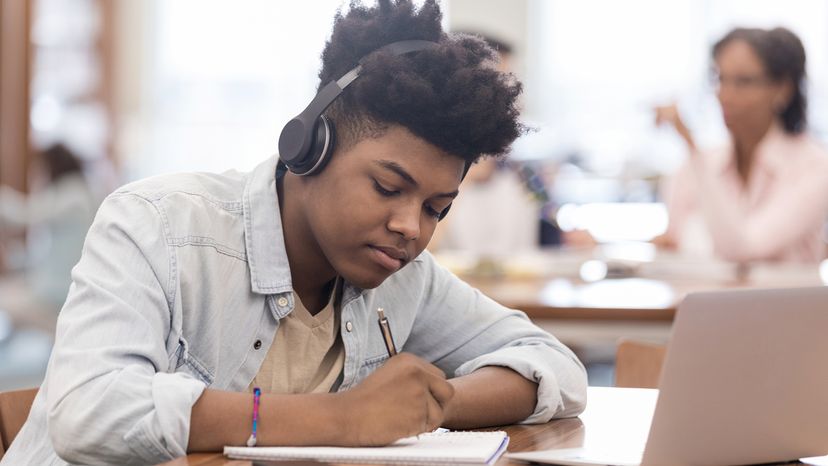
(450, 409)
(302, 420)
(335, 409)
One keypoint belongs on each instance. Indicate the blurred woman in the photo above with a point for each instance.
(56, 214)
(764, 196)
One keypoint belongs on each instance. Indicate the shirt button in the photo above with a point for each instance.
(349, 326)
(282, 302)
(258, 344)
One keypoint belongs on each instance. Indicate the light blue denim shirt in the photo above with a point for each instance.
(181, 286)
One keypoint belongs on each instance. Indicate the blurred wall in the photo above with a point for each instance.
(134, 45)
(503, 20)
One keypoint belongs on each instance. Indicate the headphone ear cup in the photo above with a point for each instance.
(323, 146)
(295, 142)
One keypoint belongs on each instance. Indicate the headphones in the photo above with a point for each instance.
(307, 141)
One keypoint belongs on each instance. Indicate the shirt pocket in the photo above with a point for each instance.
(370, 365)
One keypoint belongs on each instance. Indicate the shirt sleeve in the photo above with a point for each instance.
(679, 201)
(461, 330)
(110, 397)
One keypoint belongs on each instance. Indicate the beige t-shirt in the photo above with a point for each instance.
(307, 354)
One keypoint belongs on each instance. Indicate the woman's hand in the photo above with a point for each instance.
(669, 114)
(665, 241)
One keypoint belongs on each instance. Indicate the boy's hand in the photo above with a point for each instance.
(406, 396)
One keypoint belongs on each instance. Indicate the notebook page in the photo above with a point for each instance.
(449, 447)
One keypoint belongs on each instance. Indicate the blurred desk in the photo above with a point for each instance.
(561, 284)
(591, 298)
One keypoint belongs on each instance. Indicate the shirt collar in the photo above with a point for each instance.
(775, 149)
(263, 234)
(771, 152)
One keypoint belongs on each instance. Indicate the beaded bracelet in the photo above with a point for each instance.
(257, 392)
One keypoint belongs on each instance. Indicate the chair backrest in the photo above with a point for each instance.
(638, 364)
(14, 409)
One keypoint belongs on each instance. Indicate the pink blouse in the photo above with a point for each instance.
(779, 215)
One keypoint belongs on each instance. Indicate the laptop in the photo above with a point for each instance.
(745, 381)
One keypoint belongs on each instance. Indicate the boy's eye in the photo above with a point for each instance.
(385, 192)
(431, 212)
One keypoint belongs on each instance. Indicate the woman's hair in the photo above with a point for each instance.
(59, 161)
(450, 95)
(783, 57)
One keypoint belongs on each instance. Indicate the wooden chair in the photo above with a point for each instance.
(638, 364)
(14, 409)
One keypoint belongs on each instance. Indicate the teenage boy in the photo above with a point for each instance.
(194, 289)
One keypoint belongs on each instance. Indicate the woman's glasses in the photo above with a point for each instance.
(738, 82)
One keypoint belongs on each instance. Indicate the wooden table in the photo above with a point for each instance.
(556, 284)
(616, 419)
(637, 299)
(613, 415)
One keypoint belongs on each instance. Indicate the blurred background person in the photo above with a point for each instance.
(763, 196)
(495, 214)
(55, 215)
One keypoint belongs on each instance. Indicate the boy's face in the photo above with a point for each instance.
(375, 206)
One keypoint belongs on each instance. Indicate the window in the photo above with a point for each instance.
(600, 67)
(221, 79)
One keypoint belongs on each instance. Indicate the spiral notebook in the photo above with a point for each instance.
(432, 448)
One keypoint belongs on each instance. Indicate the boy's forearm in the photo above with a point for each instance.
(222, 418)
(490, 396)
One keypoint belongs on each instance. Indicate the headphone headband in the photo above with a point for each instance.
(307, 140)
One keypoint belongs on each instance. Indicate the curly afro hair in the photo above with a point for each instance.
(450, 96)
